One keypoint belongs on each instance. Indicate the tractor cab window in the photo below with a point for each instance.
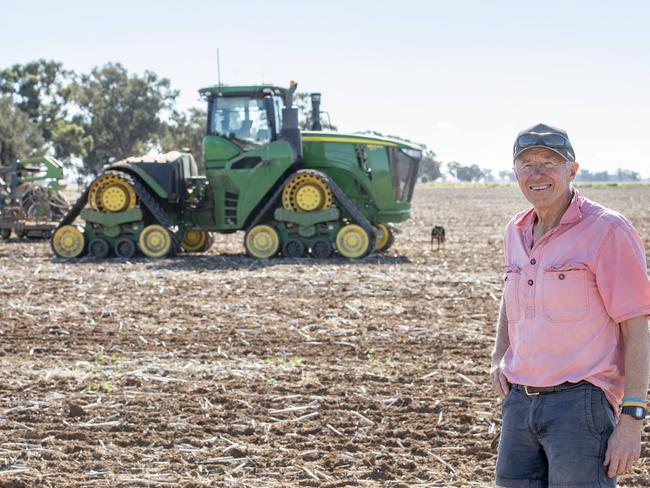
(278, 105)
(241, 119)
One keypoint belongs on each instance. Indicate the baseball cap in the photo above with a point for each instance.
(546, 136)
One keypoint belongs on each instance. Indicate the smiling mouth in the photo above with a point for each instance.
(539, 187)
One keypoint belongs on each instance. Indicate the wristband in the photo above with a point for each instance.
(634, 404)
(633, 399)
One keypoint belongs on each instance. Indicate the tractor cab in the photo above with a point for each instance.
(247, 116)
(244, 120)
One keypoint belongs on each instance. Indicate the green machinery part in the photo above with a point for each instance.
(293, 192)
(30, 197)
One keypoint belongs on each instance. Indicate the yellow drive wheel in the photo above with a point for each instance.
(111, 193)
(194, 241)
(155, 241)
(352, 241)
(68, 242)
(383, 236)
(306, 192)
(262, 241)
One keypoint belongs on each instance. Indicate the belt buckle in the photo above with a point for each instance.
(531, 393)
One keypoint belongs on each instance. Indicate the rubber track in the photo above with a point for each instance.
(146, 198)
(357, 217)
(75, 210)
(341, 198)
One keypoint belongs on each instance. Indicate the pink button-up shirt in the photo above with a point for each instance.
(567, 294)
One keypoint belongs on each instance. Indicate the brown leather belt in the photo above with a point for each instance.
(544, 390)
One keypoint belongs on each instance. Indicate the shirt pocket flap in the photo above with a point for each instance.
(568, 271)
(510, 270)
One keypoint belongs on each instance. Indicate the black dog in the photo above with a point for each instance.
(438, 234)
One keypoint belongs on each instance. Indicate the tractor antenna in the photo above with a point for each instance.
(218, 69)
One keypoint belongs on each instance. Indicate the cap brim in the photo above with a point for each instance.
(524, 149)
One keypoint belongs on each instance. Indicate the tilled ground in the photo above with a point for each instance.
(220, 370)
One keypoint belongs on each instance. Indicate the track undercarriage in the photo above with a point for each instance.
(308, 214)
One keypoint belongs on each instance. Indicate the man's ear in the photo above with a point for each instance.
(573, 170)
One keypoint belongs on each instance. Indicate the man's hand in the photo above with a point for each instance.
(624, 446)
(499, 381)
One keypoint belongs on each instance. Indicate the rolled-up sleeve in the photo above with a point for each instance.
(621, 274)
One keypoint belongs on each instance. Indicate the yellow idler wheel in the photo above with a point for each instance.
(110, 193)
(383, 236)
(68, 242)
(306, 193)
(194, 241)
(352, 241)
(262, 241)
(155, 241)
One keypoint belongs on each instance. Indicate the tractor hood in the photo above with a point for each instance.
(385, 167)
(352, 138)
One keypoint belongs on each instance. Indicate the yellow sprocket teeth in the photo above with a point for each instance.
(111, 193)
(306, 192)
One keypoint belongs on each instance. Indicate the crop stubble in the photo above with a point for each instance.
(215, 370)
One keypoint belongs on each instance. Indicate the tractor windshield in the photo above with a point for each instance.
(404, 165)
(241, 119)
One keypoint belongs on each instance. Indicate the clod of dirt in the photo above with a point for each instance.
(238, 453)
(381, 472)
(75, 410)
(350, 447)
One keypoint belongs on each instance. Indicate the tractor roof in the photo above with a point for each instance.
(246, 90)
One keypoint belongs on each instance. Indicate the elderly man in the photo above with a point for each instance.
(571, 355)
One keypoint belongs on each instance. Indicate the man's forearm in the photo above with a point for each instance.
(502, 341)
(624, 445)
(637, 356)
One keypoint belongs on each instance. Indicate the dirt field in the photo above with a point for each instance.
(219, 370)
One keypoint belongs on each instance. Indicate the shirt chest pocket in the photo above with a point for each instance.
(511, 278)
(565, 293)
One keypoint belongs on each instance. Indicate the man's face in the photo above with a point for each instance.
(544, 177)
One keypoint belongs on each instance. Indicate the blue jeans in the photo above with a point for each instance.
(556, 439)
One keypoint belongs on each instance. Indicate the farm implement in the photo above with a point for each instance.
(293, 192)
(30, 200)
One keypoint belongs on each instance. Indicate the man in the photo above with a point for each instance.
(572, 339)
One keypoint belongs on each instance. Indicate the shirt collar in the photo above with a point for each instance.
(571, 214)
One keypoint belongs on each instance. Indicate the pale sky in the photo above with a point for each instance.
(462, 77)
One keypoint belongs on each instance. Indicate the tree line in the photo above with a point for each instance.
(474, 173)
(97, 117)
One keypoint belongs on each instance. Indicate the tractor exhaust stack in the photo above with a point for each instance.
(315, 112)
(290, 127)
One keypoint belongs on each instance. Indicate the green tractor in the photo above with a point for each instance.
(293, 192)
(31, 203)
